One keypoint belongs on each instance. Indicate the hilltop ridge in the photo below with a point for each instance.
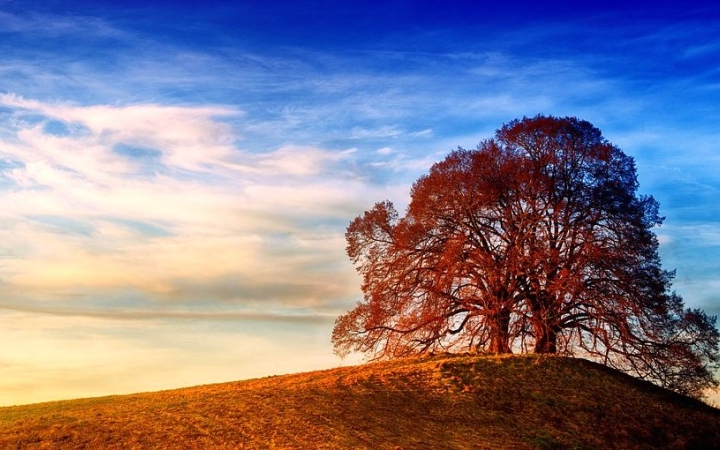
(440, 402)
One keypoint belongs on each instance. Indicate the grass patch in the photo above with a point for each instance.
(443, 402)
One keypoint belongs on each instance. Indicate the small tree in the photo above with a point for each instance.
(536, 241)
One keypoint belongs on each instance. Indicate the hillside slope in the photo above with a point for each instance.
(444, 402)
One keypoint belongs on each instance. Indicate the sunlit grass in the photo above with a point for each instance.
(443, 402)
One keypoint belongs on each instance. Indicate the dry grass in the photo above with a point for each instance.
(445, 402)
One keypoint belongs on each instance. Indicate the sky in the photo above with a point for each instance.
(176, 179)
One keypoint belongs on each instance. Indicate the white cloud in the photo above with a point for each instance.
(50, 25)
(298, 161)
(426, 133)
(664, 239)
(82, 217)
(381, 132)
(187, 138)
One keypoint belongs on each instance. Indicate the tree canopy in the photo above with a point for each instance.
(537, 241)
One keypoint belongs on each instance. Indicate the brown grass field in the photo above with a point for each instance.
(442, 402)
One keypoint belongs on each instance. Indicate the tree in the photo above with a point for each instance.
(535, 241)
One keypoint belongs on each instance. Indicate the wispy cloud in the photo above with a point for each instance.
(196, 229)
(50, 25)
(126, 314)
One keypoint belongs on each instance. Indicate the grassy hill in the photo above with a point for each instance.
(443, 402)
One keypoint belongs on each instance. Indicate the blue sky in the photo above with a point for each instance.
(175, 180)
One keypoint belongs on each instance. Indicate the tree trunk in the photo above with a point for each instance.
(545, 339)
(544, 323)
(499, 325)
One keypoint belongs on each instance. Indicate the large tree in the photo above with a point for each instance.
(535, 241)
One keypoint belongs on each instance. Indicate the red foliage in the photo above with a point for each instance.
(535, 241)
